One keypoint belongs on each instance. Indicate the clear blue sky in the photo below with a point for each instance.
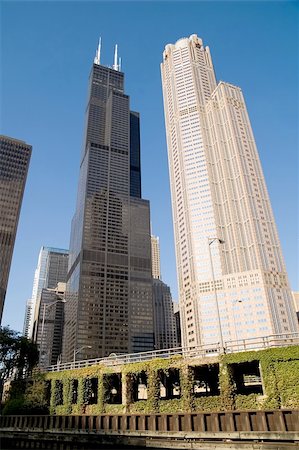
(46, 54)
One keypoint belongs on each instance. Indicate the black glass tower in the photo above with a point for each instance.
(108, 305)
(135, 173)
(14, 162)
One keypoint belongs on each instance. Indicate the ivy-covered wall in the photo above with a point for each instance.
(279, 371)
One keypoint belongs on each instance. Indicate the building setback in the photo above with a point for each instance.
(109, 292)
(227, 247)
(14, 162)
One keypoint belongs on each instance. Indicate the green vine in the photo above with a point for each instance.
(153, 391)
(100, 395)
(187, 382)
(80, 401)
(66, 396)
(52, 398)
(227, 387)
(58, 394)
(86, 391)
(279, 371)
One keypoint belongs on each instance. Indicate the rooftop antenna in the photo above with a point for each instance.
(119, 63)
(115, 65)
(97, 59)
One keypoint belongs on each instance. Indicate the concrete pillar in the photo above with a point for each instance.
(279, 419)
(201, 422)
(215, 422)
(246, 426)
(99, 423)
(141, 422)
(230, 424)
(106, 423)
(186, 382)
(187, 423)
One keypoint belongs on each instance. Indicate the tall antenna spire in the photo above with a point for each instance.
(115, 65)
(97, 59)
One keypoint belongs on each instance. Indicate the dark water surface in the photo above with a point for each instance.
(77, 447)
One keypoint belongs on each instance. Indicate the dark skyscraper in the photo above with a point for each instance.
(135, 172)
(14, 163)
(164, 321)
(109, 293)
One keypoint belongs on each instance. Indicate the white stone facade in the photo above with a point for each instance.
(218, 190)
(156, 265)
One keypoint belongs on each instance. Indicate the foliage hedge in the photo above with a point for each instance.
(27, 397)
(279, 371)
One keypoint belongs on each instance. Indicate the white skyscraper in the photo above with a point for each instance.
(51, 269)
(227, 247)
(156, 265)
(27, 318)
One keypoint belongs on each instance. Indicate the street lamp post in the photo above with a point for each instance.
(210, 242)
(76, 351)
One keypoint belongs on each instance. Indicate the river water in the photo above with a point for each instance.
(52, 446)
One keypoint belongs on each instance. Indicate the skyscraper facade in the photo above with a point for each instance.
(51, 269)
(156, 264)
(164, 320)
(49, 325)
(27, 318)
(135, 169)
(177, 319)
(165, 327)
(231, 274)
(296, 303)
(109, 292)
(14, 162)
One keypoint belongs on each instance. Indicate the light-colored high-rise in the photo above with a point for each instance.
(156, 265)
(223, 222)
(296, 303)
(27, 317)
(49, 324)
(51, 269)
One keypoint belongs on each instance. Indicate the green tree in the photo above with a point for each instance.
(18, 356)
(35, 397)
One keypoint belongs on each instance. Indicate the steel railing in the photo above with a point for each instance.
(214, 349)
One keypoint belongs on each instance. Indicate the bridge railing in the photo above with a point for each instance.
(214, 349)
(259, 343)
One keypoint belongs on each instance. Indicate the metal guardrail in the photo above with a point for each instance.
(214, 349)
(274, 340)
